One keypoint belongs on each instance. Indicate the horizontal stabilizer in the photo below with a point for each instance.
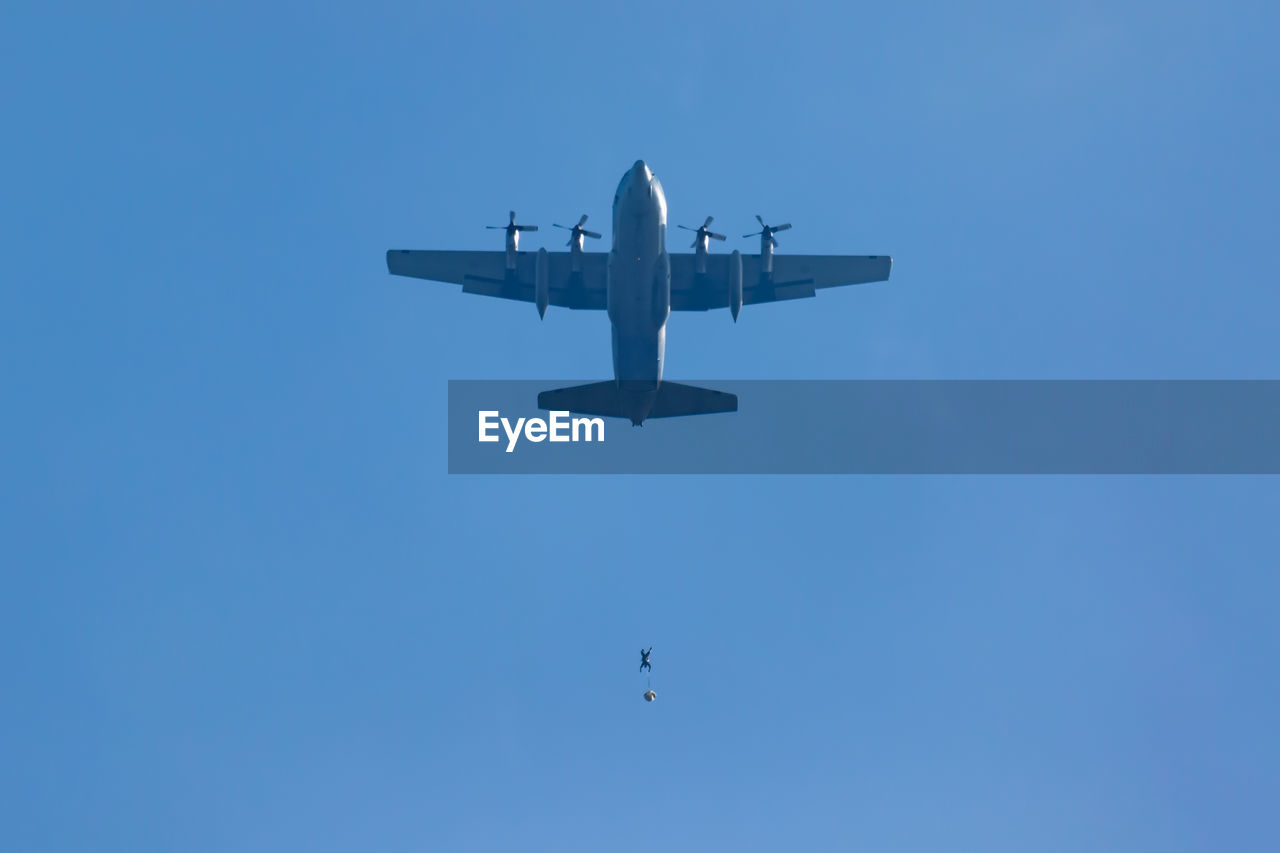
(675, 400)
(637, 404)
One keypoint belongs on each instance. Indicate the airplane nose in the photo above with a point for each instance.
(635, 179)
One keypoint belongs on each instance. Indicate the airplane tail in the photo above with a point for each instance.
(637, 402)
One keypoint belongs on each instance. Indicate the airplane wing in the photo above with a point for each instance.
(794, 277)
(486, 273)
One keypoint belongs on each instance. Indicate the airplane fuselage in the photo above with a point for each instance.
(639, 279)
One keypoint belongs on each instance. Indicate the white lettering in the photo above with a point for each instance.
(587, 424)
(513, 435)
(559, 426)
(486, 425)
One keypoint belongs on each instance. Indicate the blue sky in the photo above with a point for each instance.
(244, 607)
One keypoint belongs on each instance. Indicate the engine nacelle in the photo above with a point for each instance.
(542, 281)
(735, 284)
(575, 252)
(766, 254)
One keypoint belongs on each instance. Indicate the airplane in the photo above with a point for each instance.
(639, 283)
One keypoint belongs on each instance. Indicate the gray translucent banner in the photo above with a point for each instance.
(893, 427)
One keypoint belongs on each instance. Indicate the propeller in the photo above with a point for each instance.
(578, 232)
(511, 227)
(703, 232)
(767, 231)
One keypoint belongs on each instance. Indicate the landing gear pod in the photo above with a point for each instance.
(649, 695)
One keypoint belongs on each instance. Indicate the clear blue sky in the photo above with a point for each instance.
(243, 608)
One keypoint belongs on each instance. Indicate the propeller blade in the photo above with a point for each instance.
(496, 227)
(513, 217)
(773, 241)
(715, 236)
(756, 234)
(686, 227)
(558, 225)
(694, 244)
(526, 227)
(593, 235)
(782, 227)
(582, 221)
(708, 222)
(761, 221)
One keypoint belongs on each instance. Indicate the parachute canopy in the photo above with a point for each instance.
(649, 695)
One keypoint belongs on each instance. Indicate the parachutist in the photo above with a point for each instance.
(644, 660)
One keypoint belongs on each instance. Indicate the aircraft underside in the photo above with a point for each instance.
(639, 284)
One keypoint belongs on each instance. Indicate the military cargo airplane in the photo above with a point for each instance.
(639, 284)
